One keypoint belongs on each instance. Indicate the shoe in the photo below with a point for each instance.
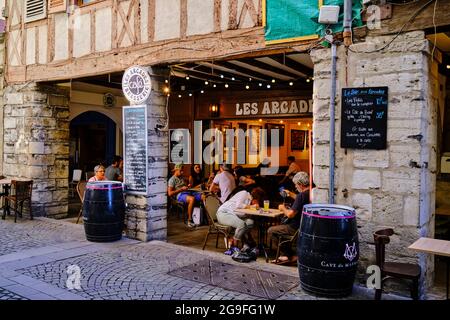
(253, 253)
(232, 251)
(191, 224)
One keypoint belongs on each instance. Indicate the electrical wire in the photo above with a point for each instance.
(400, 32)
(435, 30)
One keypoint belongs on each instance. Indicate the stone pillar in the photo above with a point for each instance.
(2, 83)
(392, 187)
(36, 144)
(146, 216)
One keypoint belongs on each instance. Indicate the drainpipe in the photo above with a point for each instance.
(347, 34)
(332, 119)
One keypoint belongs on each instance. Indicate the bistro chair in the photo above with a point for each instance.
(282, 239)
(81, 187)
(20, 192)
(89, 174)
(177, 207)
(76, 177)
(398, 270)
(211, 204)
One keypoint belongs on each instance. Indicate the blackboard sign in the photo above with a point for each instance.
(364, 118)
(135, 149)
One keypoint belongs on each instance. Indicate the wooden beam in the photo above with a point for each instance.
(250, 73)
(284, 59)
(151, 20)
(232, 17)
(217, 15)
(424, 20)
(217, 72)
(114, 25)
(266, 67)
(183, 19)
(202, 74)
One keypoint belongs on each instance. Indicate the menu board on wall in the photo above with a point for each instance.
(364, 118)
(135, 149)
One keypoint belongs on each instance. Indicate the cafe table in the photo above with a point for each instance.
(436, 247)
(261, 218)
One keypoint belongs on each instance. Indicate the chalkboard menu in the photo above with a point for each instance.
(364, 118)
(135, 149)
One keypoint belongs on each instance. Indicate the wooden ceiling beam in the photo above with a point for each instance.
(288, 62)
(267, 67)
(250, 73)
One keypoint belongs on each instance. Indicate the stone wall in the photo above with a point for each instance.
(36, 144)
(393, 187)
(2, 84)
(146, 216)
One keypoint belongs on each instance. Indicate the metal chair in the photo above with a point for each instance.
(89, 174)
(178, 207)
(394, 269)
(81, 187)
(19, 193)
(211, 204)
(76, 177)
(283, 239)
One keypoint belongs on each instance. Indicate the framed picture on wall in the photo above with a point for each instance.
(253, 139)
(272, 126)
(298, 139)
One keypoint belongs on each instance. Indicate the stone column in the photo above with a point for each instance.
(392, 187)
(146, 216)
(36, 144)
(2, 83)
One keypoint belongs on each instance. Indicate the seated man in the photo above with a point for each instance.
(292, 215)
(113, 172)
(223, 182)
(291, 171)
(177, 189)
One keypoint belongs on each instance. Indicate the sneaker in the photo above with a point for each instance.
(232, 251)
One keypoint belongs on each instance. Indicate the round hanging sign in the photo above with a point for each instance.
(136, 84)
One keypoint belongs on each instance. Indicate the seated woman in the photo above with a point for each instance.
(196, 177)
(227, 215)
(99, 174)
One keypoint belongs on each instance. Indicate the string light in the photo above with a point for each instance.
(260, 84)
(247, 87)
(260, 120)
(281, 121)
(448, 66)
(202, 91)
(221, 76)
(249, 79)
(166, 90)
(190, 94)
(166, 81)
(206, 82)
(214, 85)
(273, 80)
(291, 83)
(232, 78)
(226, 85)
(308, 80)
(299, 123)
(268, 86)
(187, 78)
(179, 96)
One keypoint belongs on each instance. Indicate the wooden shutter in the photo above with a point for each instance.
(35, 10)
(57, 6)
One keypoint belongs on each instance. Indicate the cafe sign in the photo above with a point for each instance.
(136, 84)
(283, 107)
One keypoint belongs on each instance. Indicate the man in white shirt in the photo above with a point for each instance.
(223, 182)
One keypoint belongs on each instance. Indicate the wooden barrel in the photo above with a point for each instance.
(328, 250)
(103, 211)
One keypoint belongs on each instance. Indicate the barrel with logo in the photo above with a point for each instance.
(328, 250)
(103, 211)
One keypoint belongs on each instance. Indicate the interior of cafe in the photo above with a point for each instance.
(243, 95)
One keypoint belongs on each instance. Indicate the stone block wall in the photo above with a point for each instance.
(2, 84)
(393, 187)
(36, 144)
(146, 216)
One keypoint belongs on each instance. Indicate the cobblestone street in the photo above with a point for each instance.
(36, 256)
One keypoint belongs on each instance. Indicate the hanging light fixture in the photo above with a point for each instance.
(214, 110)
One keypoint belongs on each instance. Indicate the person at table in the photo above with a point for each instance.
(196, 177)
(291, 171)
(113, 172)
(99, 175)
(227, 215)
(177, 189)
(223, 182)
(292, 216)
(241, 178)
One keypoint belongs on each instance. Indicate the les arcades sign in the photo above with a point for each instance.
(136, 84)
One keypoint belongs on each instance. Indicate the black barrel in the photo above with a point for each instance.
(328, 250)
(103, 211)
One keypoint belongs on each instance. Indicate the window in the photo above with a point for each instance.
(57, 6)
(35, 10)
(80, 2)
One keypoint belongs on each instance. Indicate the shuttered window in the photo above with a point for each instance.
(35, 10)
(57, 6)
